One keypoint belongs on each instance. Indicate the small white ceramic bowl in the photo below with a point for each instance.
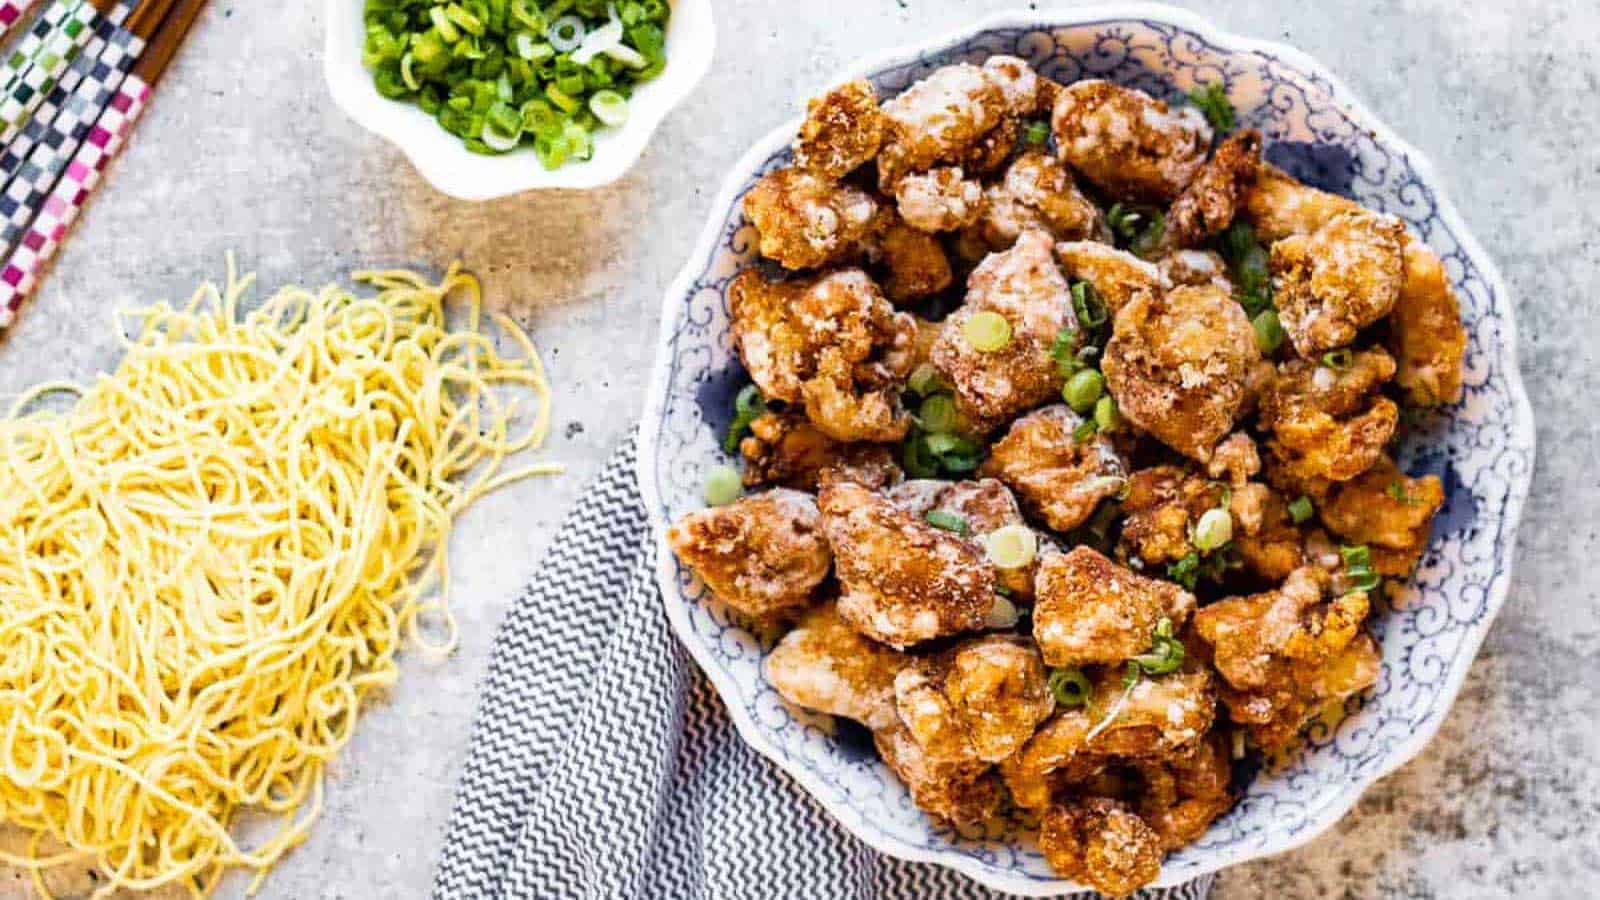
(449, 166)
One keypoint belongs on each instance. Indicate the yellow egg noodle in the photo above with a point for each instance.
(209, 560)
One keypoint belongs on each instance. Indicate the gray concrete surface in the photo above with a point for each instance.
(243, 151)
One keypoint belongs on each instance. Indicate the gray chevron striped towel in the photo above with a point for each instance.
(602, 764)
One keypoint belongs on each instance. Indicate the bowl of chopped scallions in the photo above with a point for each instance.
(494, 97)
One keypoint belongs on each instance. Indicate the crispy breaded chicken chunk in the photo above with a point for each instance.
(1284, 652)
(785, 448)
(943, 198)
(1326, 422)
(1102, 843)
(1425, 330)
(1210, 201)
(1184, 794)
(1024, 286)
(915, 262)
(978, 701)
(1200, 267)
(1388, 511)
(806, 221)
(1089, 610)
(1024, 92)
(1117, 276)
(1269, 543)
(1037, 192)
(1130, 145)
(832, 342)
(842, 131)
(902, 581)
(941, 120)
(763, 555)
(1161, 508)
(1060, 479)
(961, 793)
(1337, 280)
(1179, 366)
(983, 506)
(824, 665)
(1278, 206)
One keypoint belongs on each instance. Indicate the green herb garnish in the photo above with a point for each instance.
(1037, 134)
(947, 521)
(1338, 359)
(1070, 687)
(1166, 652)
(1301, 509)
(1212, 100)
(748, 406)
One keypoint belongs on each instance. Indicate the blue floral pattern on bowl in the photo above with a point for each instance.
(1483, 449)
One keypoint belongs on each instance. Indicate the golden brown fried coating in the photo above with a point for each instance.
(1024, 285)
(915, 261)
(1337, 280)
(1210, 201)
(831, 341)
(1278, 206)
(1038, 192)
(1102, 843)
(902, 580)
(976, 702)
(963, 793)
(1025, 93)
(1236, 459)
(984, 506)
(1387, 511)
(1179, 365)
(842, 131)
(1127, 143)
(763, 555)
(1284, 652)
(1183, 794)
(1425, 330)
(1089, 610)
(1199, 267)
(785, 448)
(941, 119)
(943, 198)
(1160, 510)
(1060, 479)
(1269, 543)
(1329, 423)
(805, 221)
(1117, 276)
(823, 664)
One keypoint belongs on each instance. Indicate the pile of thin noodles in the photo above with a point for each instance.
(212, 557)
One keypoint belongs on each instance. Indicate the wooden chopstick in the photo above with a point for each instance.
(27, 261)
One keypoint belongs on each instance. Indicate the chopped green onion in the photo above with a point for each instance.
(1185, 571)
(1002, 613)
(1214, 529)
(1064, 350)
(987, 331)
(1086, 429)
(560, 98)
(610, 107)
(947, 521)
(1106, 416)
(1011, 546)
(1355, 555)
(723, 485)
(1212, 99)
(442, 23)
(465, 20)
(1338, 359)
(1070, 687)
(566, 33)
(748, 405)
(522, 44)
(1087, 304)
(1300, 510)
(938, 414)
(1037, 133)
(1166, 653)
(925, 380)
(1123, 221)
(1358, 567)
(1082, 391)
(1269, 331)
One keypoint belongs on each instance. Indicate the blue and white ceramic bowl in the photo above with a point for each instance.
(1483, 448)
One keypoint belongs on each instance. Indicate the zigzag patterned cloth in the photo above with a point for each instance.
(603, 766)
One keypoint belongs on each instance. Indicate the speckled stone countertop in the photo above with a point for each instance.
(242, 150)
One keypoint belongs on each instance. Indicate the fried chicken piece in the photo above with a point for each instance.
(1269, 543)
(785, 448)
(1023, 285)
(1210, 201)
(1235, 459)
(914, 260)
(1194, 267)
(1101, 843)
(1127, 143)
(941, 119)
(1038, 192)
(1060, 479)
(1117, 276)
(1179, 365)
(1161, 507)
(1425, 330)
(1389, 512)
(964, 794)
(805, 221)
(984, 506)
(823, 664)
(1182, 795)
(842, 131)
(1024, 92)
(763, 554)
(939, 199)
(1329, 423)
(1089, 610)
(1278, 206)
(976, 702)
(902, 580)
(831, 341)
(1285, 652)
(1332, 283)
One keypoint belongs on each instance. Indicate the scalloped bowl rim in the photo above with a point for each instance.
(775, 141)
(445, 162)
